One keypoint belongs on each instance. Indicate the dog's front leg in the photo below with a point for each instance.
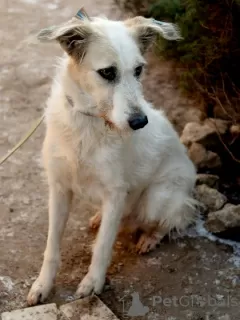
(112, 213)
(59, 202)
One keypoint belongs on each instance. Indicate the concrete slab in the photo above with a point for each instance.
(44, 312)
(90, 308)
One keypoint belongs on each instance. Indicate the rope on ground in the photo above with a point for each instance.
(23, 140)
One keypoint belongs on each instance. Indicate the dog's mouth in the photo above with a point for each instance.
(108, 123)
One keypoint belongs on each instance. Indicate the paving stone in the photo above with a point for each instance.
(90, 308)
(44, 312)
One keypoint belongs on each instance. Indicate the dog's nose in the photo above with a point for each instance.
(137, 121)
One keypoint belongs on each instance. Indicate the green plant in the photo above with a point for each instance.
(210, 52)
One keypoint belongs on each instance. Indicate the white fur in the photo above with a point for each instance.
(144, 175)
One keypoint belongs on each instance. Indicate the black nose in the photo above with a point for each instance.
(137, 121)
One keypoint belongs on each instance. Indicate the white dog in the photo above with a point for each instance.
(106, 142)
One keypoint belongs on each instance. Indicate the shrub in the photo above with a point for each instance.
(210, 51)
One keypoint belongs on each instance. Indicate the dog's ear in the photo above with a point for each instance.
(145, 31)
(73, 37)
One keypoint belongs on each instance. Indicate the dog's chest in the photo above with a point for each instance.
(98, 172)
(86, 184)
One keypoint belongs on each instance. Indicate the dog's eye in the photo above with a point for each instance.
(138, 71)
(109, 74)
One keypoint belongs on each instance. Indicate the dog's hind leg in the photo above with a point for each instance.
(149, 240)
(112, 212)
(166, 206)
(59, 202)
(95, 221)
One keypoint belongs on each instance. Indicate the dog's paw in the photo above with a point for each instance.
(89, 285)
(95, 221)
(146, 243)
(39, 292)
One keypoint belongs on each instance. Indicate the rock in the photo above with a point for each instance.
(235, 130)
(89, 308)
(46, 312)
(211, 198)
(195, 132)
(212, 161)
(206, 133)
(221, 126)
(203, 158)
(226, 218)
(210, 180)
(197, 154)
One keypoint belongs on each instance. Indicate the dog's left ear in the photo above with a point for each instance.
(145, 31)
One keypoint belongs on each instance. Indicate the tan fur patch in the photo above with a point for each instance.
(73, 68)
(136, 21)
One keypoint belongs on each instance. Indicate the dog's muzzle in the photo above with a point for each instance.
(137, 121)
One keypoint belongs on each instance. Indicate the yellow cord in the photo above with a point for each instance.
(23, 140)
(81, 14)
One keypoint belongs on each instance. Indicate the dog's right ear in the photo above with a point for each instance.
(73, 37)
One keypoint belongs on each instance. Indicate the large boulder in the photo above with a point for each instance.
(211, 198)
(226, 218)
(219, 125)
(195, 132)
(203, 158)
(235, 130)
(210, 180)
(206, 133)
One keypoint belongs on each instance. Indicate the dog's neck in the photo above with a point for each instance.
(77, 99)
(71, 103)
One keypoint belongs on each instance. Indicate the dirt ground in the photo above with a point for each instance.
(191, 278)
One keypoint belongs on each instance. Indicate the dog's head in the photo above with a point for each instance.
(106, 61)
